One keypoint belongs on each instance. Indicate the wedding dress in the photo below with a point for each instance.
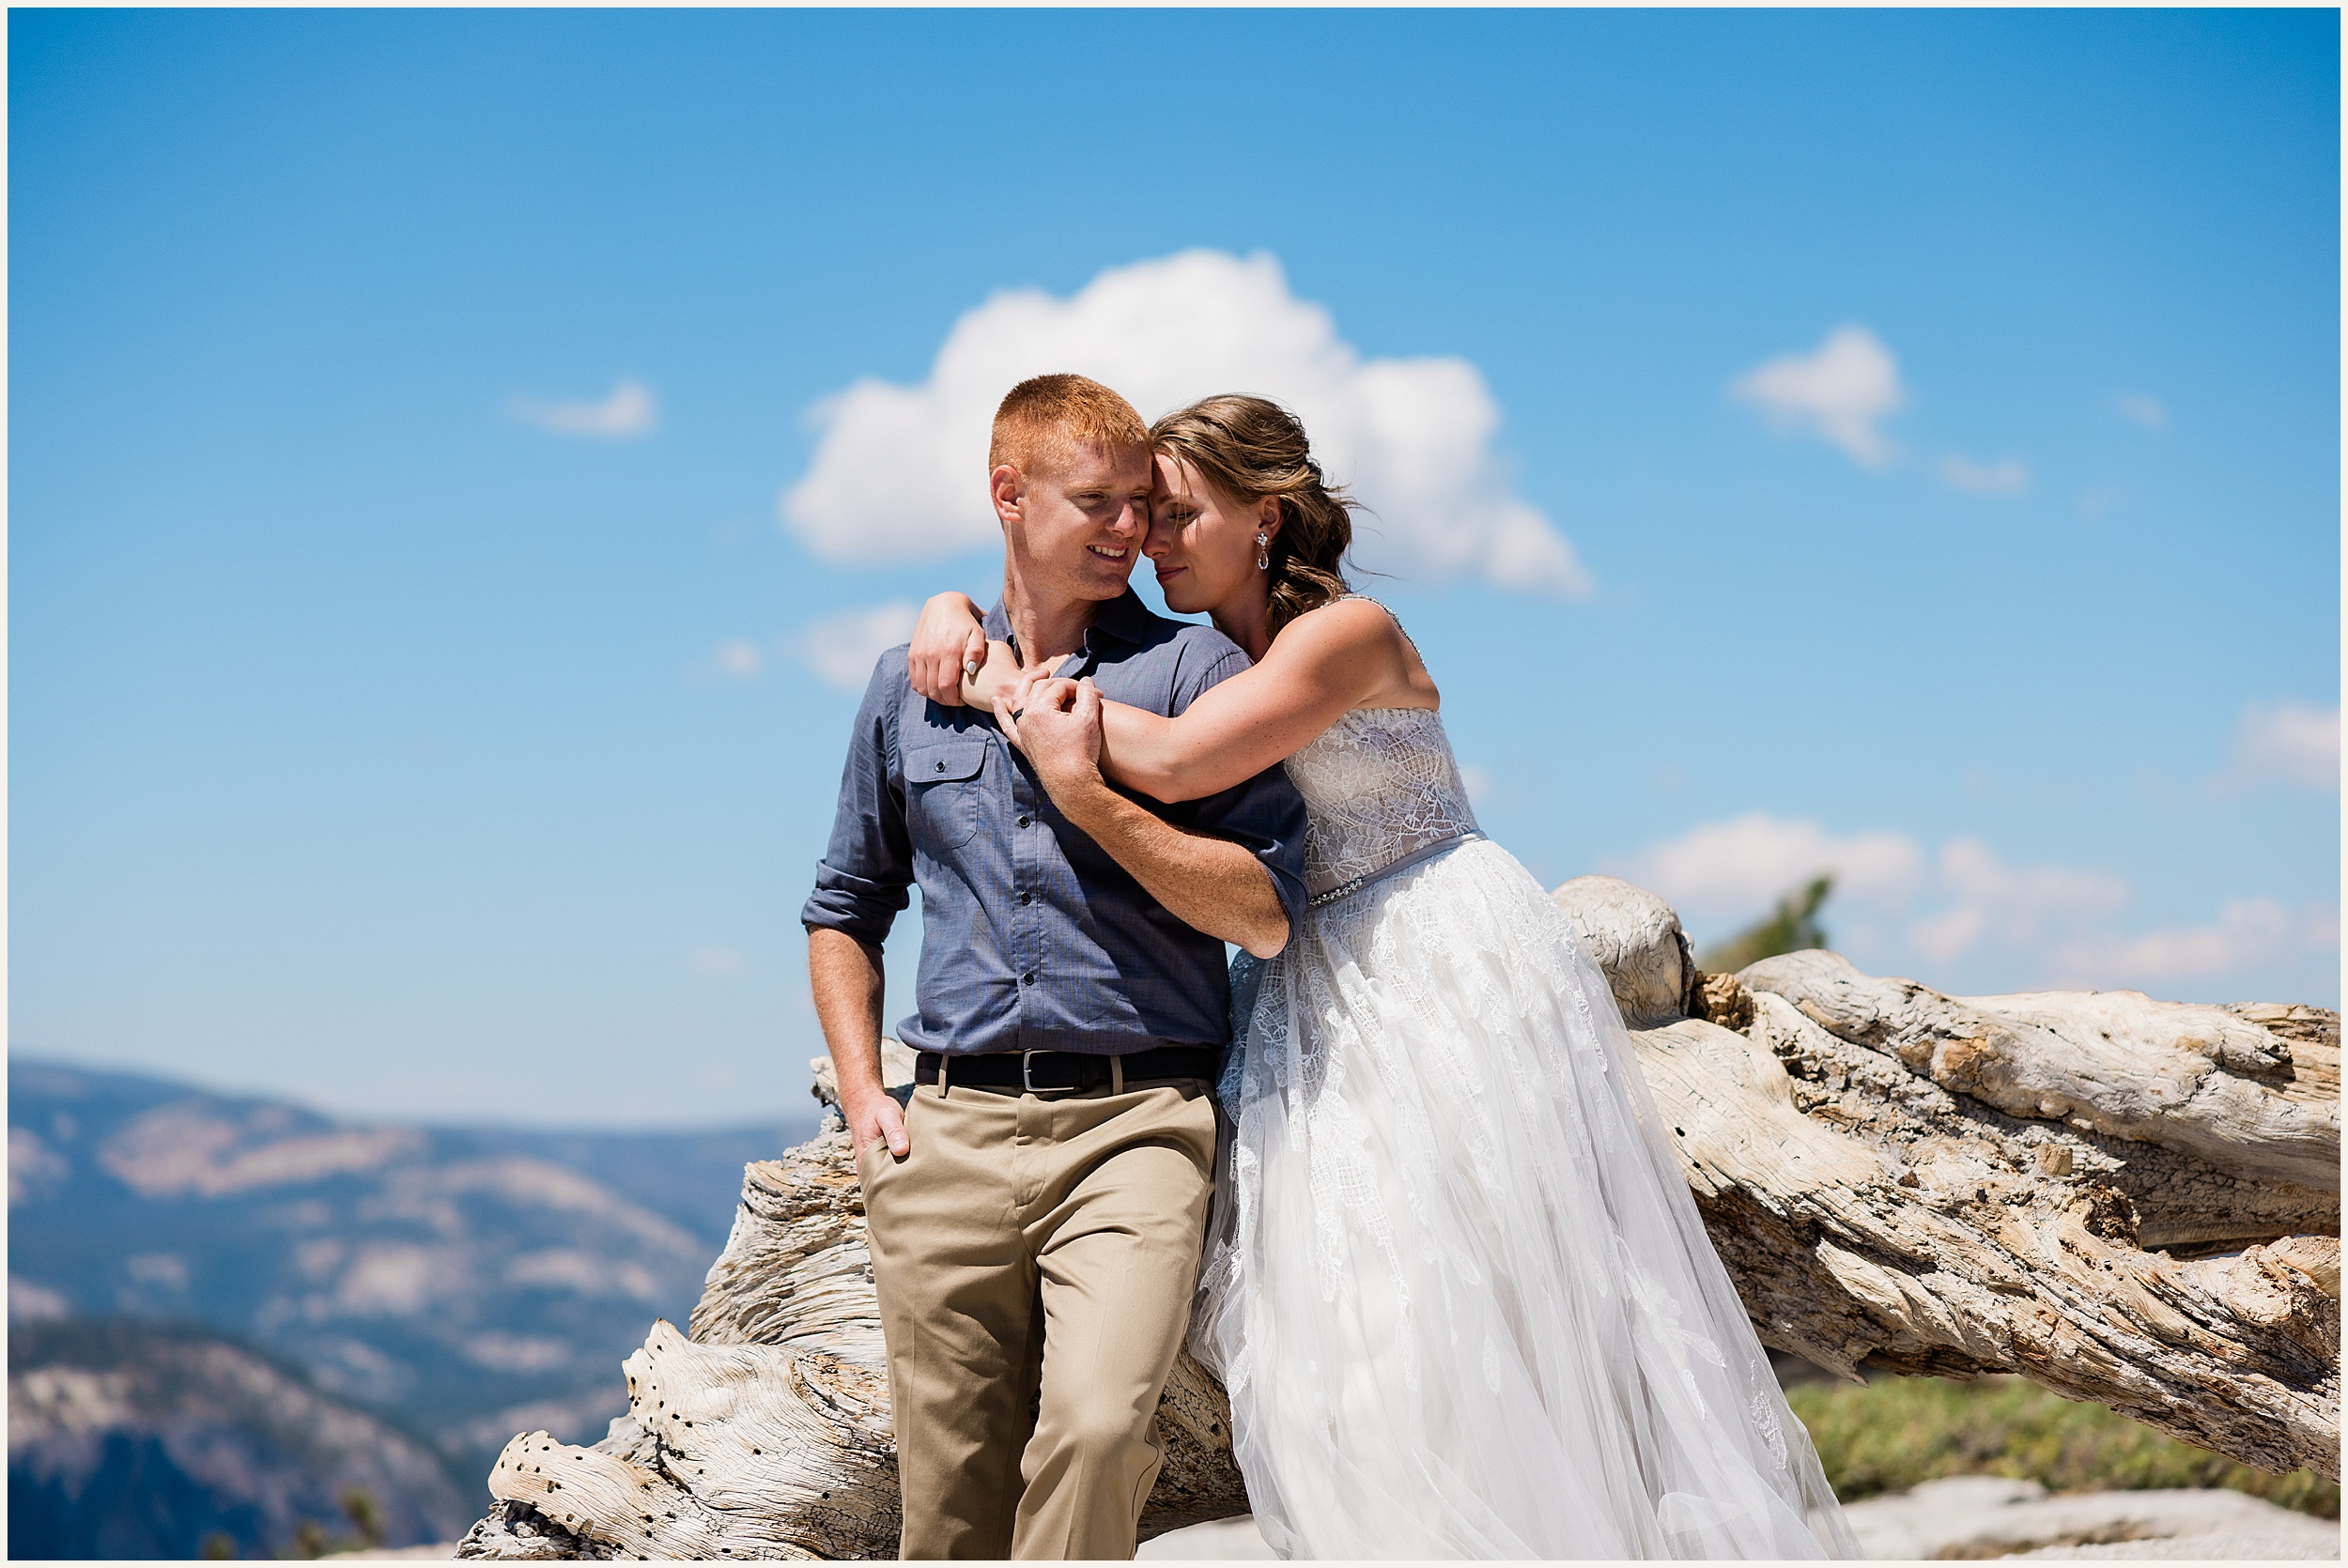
(1457, 1289)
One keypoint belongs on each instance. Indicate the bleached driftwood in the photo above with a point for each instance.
(2128, 1201)
(1868, 1214)
(2199, 1079)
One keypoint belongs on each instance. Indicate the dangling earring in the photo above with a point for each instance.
(1263, 555)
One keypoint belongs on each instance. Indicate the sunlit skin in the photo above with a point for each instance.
(1202, 543)
(1202, 546)
(1071, 530)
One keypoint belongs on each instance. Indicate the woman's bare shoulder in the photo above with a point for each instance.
(1350, 626)
(1362, 636)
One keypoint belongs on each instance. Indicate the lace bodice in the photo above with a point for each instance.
(1380, 784)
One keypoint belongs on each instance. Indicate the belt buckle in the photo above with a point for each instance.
(1026, 1074)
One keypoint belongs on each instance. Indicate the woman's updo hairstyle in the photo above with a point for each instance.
(1251, 449)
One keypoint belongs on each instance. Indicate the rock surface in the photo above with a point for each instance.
(1217, 1541)
(1983, 1517)
(2253, 1546)
(1979, 1516)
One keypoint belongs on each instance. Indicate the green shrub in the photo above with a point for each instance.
(1790, 928)
(1898, 1431)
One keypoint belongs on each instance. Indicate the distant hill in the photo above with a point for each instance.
(138, 1440)
(468, 1283)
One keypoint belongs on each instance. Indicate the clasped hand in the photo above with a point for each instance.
(1056, 723)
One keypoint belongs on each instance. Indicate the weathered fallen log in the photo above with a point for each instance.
(2199, 1079)
(2128, 1201)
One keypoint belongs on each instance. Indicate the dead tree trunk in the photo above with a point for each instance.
(2127, 1201)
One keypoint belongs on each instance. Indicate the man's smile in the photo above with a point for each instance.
(1109, 552)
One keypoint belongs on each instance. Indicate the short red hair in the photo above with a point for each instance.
(1042, 417)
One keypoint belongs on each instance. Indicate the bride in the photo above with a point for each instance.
(1456, 1285)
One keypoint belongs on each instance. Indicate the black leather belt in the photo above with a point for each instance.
(1059, 1071)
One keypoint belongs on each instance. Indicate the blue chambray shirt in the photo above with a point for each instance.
(1033, 938)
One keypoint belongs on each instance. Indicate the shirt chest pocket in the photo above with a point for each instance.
(945, 786)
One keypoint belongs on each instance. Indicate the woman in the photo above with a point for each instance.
(1457, 1289)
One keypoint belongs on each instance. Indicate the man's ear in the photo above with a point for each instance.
(1009, 490)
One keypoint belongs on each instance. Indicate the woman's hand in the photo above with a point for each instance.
(949, 644)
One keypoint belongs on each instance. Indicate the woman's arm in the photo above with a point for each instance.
(951, 662)
(1335, 658)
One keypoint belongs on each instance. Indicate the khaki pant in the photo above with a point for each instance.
(1034, 1258)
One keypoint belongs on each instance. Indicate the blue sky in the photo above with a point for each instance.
(413, 705)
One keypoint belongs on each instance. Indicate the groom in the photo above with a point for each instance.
(1036, 1210)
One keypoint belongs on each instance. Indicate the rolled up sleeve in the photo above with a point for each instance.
(862, 881)
(1265, 815)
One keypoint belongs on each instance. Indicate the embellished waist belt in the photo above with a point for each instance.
(1425, 852)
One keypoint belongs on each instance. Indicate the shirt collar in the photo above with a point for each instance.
(1124, 618)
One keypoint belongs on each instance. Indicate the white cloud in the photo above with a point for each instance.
(627, 411)
(1477, 782)
(1840, 392)
(842, 647)
(2145, 409)
(1985, 925)
(2249, 934)
(2014, 904)
(1742, 865)
(1731, 872)
(899, 470)
(2286, 743)
(2008, 476)
(738, 658)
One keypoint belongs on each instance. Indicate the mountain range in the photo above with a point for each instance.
(130, 1439)
(460, 1284)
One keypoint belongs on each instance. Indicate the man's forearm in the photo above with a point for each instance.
(849, 986)
(1208, 883)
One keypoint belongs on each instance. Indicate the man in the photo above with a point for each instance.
(1036, 1210)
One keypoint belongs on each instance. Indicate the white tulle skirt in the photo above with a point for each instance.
(1456, 1288)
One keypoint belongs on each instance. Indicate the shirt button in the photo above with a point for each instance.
(941, 765)
(1023, 822)
(1026, 979)
(1027, 897)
